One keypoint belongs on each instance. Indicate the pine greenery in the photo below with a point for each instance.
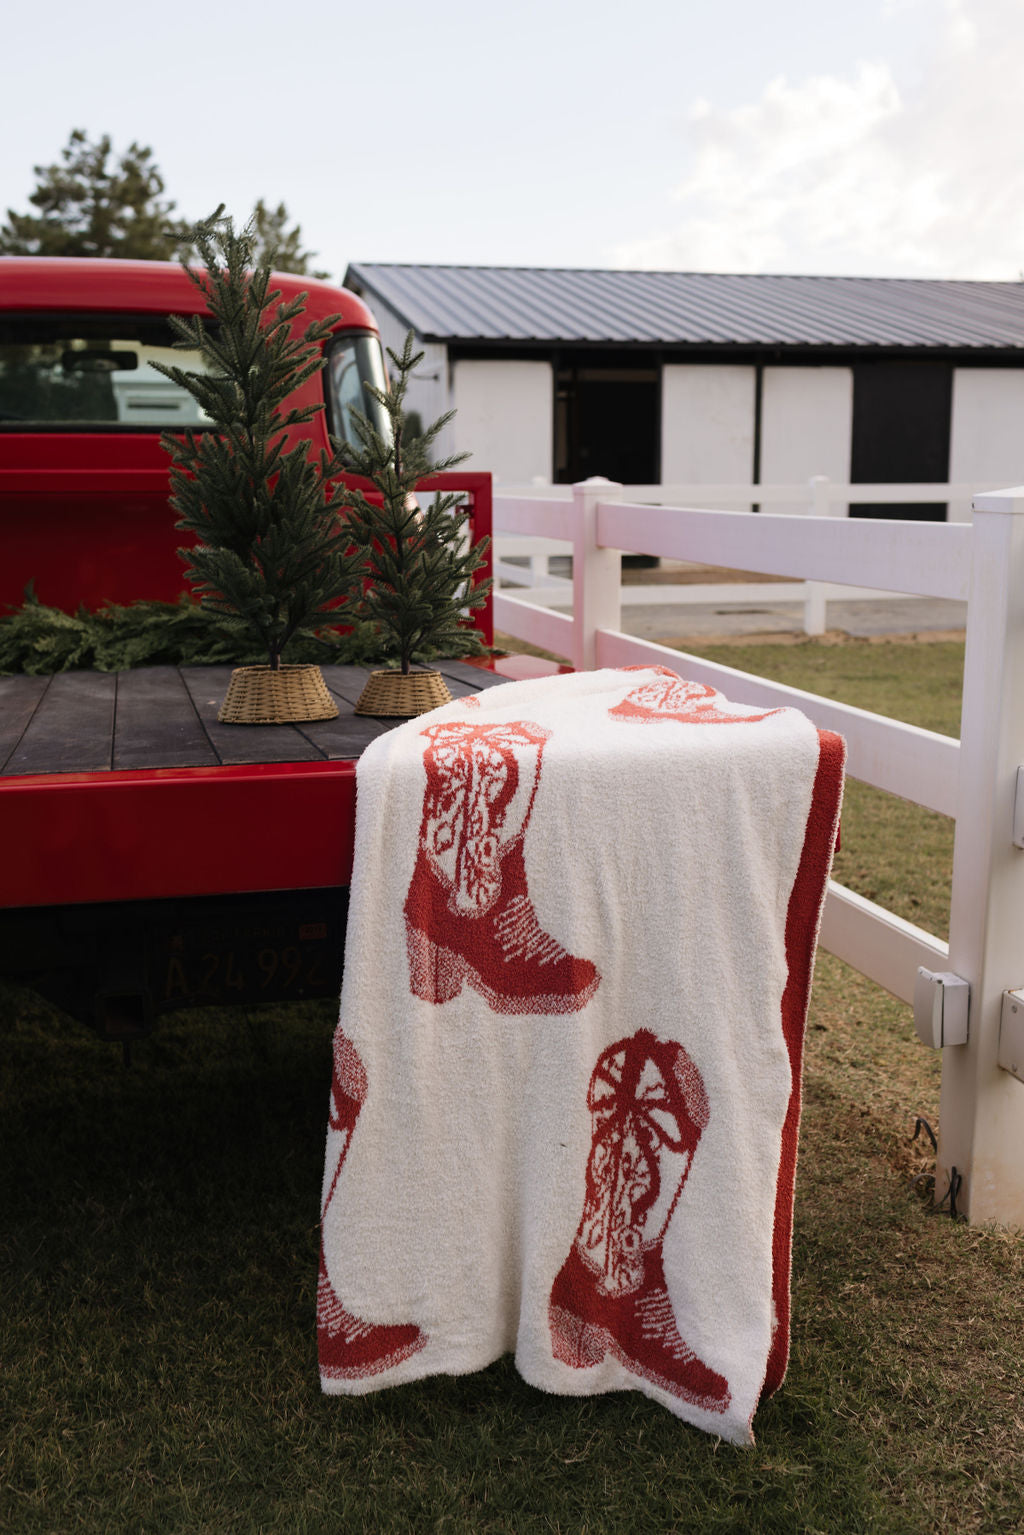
(277, 245)
(271, 551)
(419, 562)
(92, 204)
(40, 640)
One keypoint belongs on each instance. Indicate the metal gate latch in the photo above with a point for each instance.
(1011, 1033)
(940, 1008)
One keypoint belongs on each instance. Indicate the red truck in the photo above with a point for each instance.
(153, 858)
(83, 478)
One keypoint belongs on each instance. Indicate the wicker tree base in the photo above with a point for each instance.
(397, 696)
(258, 696)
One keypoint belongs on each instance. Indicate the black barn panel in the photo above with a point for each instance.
(607, 421)
(901, 415)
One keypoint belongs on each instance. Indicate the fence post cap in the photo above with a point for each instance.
(597, 484)
(1009, 501)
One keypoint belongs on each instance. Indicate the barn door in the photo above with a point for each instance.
(901, 415)
(607, 422)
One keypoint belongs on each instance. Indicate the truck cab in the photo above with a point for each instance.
(84, 482)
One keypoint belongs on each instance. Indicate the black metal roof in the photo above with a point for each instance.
(535, 305)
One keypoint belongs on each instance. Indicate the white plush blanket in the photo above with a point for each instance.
(567, 1069)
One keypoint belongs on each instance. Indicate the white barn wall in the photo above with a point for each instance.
(430, 388)
(707, 424)
(986, 442)
(505, 418)
(806, 427)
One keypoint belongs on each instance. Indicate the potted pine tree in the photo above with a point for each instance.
(272, 552)
(420, 561)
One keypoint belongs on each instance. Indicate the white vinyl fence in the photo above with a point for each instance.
(819, 496)
(981, 1143)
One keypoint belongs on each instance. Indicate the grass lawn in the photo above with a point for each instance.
(892, 852)
(158, 1273)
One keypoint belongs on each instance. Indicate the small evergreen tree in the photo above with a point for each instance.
(420, 563)
(271, 551)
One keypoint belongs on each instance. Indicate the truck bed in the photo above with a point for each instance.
(153, 858)
(124, 786)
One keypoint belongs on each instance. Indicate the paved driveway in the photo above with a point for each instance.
(669, 623)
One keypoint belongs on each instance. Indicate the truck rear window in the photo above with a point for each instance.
(92, 373)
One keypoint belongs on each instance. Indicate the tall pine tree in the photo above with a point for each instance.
(94, 204)
(420, 562)
(280, 245)
(271, 551)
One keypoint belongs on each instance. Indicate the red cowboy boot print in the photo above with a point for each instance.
(648, 1107)
(672, 698)
(351, 1349)
(468, 913)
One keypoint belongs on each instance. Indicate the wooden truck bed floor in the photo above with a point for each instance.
(152, 858)
(124, 786)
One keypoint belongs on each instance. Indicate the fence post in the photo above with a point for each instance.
(596, 572)
(982, 1113)
(815, 592)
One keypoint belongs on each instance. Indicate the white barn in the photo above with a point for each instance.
(556, 374)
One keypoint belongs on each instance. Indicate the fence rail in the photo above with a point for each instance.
(818, 493)
(973, 780)
(820, 497)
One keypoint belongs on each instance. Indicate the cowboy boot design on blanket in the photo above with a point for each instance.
(672, 698)
(468, 913)
(349, 1348)
(649, 1107)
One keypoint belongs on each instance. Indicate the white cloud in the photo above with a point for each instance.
(850, 173)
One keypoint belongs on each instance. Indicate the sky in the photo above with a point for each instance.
(856, 137)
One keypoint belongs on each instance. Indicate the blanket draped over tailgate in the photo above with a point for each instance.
(566, 1088)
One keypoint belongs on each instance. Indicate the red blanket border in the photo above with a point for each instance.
(803, 918)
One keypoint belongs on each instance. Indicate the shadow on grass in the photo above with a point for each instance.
(158, 1287)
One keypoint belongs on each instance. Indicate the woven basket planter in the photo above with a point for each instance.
(258, 696)
(397, 696)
